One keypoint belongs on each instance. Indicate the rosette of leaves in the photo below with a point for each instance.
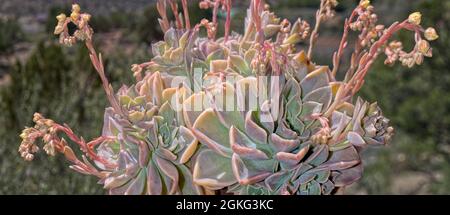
(153, 148)
(169, 53)
(262, 153)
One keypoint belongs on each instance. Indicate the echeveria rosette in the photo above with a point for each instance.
(279, 156)
(153, 148)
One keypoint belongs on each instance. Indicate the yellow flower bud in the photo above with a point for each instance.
(61, 17)
(364, 3)
(430, 34)
(74, 16)
(415, 18)
(23, 135)
(423, 46)
(76, 8)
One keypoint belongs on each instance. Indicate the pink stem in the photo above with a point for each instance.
(174, 7)
(343, 43)
(315, 32)
(215, 12)
(87, 148)
(98, 65)
(228, 21)
(366, 62)
(186, 14)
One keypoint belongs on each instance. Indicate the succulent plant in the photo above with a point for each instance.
(242, 114)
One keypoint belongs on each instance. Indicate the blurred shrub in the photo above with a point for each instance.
(61, 84)
(147, 26)
(10, 34)
(47, 82)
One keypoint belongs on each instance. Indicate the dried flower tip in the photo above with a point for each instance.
(415, 18)
(58, 29)
(396, 44)
(86, 17)
(37, 117)
(136, 69)
(430, 34)
(364, 3)
(29, 157)
(49, 148)
(47, 138)
(49, 123)
(423, 46)
(61, 17)
(76, 8)
(204, 5)
(333, 3)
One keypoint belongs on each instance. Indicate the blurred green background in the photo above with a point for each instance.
(38, 75)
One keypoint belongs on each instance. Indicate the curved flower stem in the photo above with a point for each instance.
(343, 44)
(98, 65)
(215, 13)
(256, 10)
(228, 21)
(350, 88)
(174, 7)
(186, 14)
(87, 148)
(315, 32)
(164, 22)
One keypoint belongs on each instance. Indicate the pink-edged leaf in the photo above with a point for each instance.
(168, 171)
(137, 185)
(250, 172)
(242, 145)
(283, 145)
(154, 183)
(292, 159)
(213, 170)
(254, 130)
(211, 132)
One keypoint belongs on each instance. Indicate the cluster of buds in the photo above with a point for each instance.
(300, 31)
(47, 130)
(44, 128)
(211, 27)
(328, 11)
(206, 4)
(27, 147)
(394, 51)
(81, 20)
(366, 23)
(324, 134)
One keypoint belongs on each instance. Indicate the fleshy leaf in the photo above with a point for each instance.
(211, 132)
(213, 170)
(242, 145)
(251, 171)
